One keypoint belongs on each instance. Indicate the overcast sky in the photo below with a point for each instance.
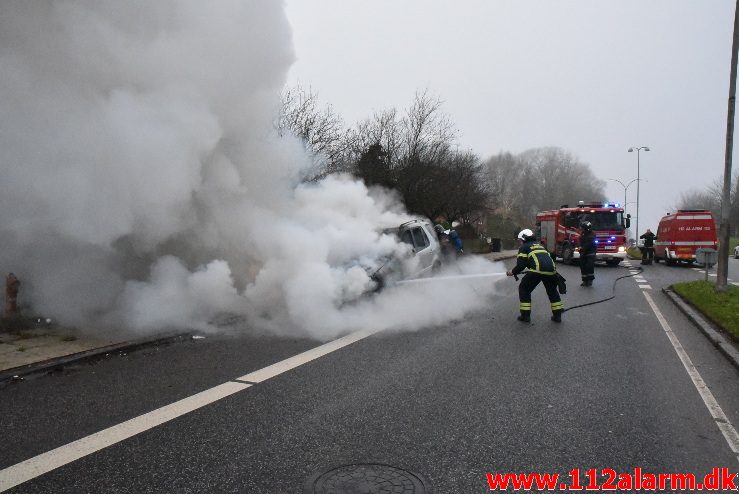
(592, 77)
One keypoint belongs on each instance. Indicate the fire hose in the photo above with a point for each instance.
(639, 269)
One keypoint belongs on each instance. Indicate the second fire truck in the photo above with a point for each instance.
(559, 231)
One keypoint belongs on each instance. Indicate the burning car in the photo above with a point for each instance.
(421, 257)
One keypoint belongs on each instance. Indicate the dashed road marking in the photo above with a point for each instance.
(645, 287)
(51, 460)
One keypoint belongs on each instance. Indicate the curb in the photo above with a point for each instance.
(724, 346)
(56, 363)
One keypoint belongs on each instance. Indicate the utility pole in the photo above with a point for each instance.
(722, 271)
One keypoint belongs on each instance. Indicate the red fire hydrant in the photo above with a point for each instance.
(11, 295)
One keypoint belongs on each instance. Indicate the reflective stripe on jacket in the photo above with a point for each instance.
(534, 256)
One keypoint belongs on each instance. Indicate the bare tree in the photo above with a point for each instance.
(505, 177)
(382, 128)
(538, 179)
(428, 133)
(320, 128)
(469, 191)
(701, 199)
(710, 198)
(562, 178)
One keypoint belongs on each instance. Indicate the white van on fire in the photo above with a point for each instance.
(683, 232)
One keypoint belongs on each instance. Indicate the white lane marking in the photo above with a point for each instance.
(722, 421)
(639, 280)
(645, 287)
(287, 364)
(735, 283)
(46, 462)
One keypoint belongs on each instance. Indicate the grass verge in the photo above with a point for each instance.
(721, 308)
(633, 252)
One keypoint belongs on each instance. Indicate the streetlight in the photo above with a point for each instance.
(631, 150)
(626, 187)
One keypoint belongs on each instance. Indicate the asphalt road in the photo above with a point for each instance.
(486, 394)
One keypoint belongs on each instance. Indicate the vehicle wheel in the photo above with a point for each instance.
(567, 254)
(613, 262)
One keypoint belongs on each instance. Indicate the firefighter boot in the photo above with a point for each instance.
(525, 316)
(557, 315)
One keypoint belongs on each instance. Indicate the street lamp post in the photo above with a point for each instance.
(626, 187)
(638, 150)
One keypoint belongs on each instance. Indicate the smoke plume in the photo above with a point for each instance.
(143, 186)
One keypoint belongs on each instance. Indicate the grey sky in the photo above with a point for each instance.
(593, 77)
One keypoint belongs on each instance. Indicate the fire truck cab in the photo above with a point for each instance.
(559, 231)
(680, 234)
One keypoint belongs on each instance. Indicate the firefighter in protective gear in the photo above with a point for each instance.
(647, 253)
(534, 256)
(587, 253)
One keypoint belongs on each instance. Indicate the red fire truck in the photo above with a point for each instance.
(559, 231)
(680, 234)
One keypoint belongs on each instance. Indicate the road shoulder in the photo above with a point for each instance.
(727, 348)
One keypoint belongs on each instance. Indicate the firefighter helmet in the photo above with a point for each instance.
(586, 225)
(525, 234)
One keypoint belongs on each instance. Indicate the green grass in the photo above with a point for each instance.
(633, 252)
(721, 308)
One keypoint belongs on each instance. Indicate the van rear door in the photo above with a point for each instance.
(691, 231)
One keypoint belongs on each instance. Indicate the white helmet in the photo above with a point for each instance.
(525, 234)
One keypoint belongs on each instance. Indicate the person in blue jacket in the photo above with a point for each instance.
(456, 241)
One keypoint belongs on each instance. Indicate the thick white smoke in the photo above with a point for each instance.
(143, 185)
